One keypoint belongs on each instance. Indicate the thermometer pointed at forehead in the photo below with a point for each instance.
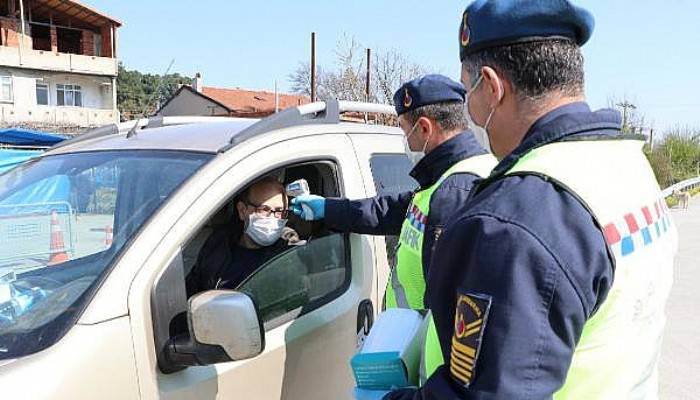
(298, 188)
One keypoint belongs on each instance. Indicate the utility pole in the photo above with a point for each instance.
(641, 129)
(313, 67)
(651, 138)
(367, 81)
(625, 105)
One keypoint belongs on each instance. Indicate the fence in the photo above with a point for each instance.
(25, 231)
(686, 184)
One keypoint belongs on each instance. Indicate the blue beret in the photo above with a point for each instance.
(492, 23)
(428, 89)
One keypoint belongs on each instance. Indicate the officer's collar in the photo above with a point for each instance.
(567, 120)
(431, 167)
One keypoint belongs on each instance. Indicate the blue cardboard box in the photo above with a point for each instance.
(391, 354)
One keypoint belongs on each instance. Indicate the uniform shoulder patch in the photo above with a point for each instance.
(471, 314)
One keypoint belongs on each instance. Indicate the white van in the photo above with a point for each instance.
(98, 235)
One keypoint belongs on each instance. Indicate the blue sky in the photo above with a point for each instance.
(647, 51)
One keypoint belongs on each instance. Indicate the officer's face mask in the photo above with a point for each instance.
(415, 156)
(480, 133)
(264, 231)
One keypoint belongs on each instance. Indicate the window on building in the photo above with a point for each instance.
(41, 37)
(5, 88)
(42, 93)
(69, 95)
(9, 8)
(69, 40)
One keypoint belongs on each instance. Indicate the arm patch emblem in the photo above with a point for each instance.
(471, 314)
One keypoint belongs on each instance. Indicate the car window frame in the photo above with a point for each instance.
(337, 169)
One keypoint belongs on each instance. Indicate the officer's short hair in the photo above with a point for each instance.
(535, 69)
(449, 115)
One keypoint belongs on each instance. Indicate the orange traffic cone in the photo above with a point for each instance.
(109, 236)
(57, 247)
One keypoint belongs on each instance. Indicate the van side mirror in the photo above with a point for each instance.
(224, 325)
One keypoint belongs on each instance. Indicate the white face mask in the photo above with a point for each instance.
(264, 231)
(414, 156)
(480, 133)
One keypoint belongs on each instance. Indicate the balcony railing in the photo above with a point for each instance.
(60, 62)
(58, 115)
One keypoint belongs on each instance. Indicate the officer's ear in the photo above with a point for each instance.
(496, 85)
(426, 127)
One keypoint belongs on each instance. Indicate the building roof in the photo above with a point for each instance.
(73, 8)
(254, 102)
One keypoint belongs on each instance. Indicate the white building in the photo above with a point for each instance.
(58, 64)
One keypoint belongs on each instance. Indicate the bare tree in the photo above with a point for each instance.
(347, 81)
(391, 69)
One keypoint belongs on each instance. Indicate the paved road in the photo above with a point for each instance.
(679, 375)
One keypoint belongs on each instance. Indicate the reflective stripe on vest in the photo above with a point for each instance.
(617, 354)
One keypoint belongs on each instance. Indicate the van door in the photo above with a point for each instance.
(308, 296)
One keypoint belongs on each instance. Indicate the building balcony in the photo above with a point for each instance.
(57, 62)
(58, 115)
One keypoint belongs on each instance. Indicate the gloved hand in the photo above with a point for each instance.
(309, 207)
(369, 394)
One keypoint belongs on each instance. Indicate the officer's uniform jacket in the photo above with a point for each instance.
(384, 215)
(542, 264)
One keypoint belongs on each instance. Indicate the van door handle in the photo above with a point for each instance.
(365, 319)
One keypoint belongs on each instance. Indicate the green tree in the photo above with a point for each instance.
(677, 157)
(136, 92)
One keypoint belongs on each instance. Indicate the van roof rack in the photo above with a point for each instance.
(320, 112)
(139, 125)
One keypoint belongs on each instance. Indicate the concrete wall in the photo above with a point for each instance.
(50, 61)
(188, 103)
(97, 99)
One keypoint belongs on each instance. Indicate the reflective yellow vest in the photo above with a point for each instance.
(406, 286)
(617, 354)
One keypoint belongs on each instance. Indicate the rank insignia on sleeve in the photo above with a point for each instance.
(471, 315)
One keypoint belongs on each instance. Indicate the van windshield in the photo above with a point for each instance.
(63, 221)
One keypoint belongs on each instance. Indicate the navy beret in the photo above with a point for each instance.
(428, 89)
(493, 23)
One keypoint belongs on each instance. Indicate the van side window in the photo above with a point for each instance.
(391, 176)
(300, 280)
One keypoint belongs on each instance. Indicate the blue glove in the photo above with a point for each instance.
(369, 394)
(309, 207)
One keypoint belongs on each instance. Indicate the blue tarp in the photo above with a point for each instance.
(10, 158)
(27, 137)
(39, 197)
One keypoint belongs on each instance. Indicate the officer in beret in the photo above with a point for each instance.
(431, 114)
(552, 281)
